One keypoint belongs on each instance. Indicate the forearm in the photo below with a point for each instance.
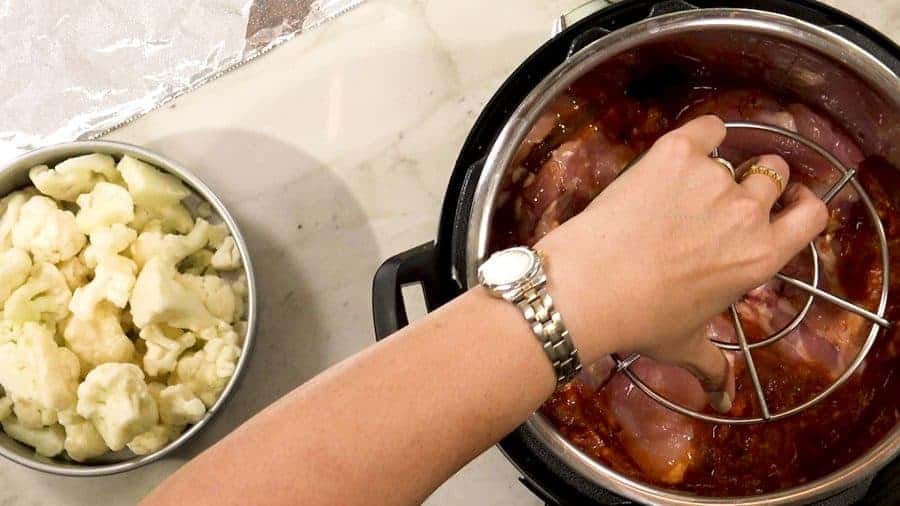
(388, 425)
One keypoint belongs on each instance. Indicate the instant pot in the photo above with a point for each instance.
(804, 48)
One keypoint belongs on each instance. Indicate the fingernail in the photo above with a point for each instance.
(720, 401)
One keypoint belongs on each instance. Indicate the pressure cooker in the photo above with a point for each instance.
(820, 55)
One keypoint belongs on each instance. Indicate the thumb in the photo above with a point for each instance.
(713, 368)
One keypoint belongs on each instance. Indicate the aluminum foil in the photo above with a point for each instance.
(77, 70)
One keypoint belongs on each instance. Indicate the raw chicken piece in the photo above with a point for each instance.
(742, 105)
(828, 336)
(659, 441)
(720, 328)
(822, 131)
(575, 173)
(766, 310)
(747, 105)
(563, 114)
(760, 107)
(596, 375)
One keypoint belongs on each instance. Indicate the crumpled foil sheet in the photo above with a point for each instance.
(77, 70)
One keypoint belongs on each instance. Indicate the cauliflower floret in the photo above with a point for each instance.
(33, 416)
(98, 339)
(239, 307)
(150, 186)
(173, 247)
(113, 280)
(227, 257)
(164, 346)
(240, 289)
(206, 372)
(240, 329)
(196, 263)
(175, 218)
(15, 267)
(160, 297)
(106, 205)
(5, 407)
(45, 296)
(83, 442)
(217, 235)
(154, 439)
(157, 193)
(204, 210)
(10, 207)
(75, 272)
(37, 374)
(75, 176)
(108, 241)
(178, 406)
(9, 330)
(116, 399)
(46, 441)
(47, 232)
(215, 293)
(144, 220)
(221, 331)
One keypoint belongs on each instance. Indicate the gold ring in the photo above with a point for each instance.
(765, 171)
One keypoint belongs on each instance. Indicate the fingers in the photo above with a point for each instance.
(704, 134)
(715, 371)
(803, 217)
(764, 178)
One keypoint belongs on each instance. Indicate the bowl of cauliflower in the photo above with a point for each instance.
(127, 307)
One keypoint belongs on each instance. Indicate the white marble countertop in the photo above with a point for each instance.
(333, 153)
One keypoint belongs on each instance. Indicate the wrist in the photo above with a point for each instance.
(510, 325)
(590, 314)
(517, 275)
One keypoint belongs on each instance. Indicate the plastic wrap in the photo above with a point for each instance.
(77, 70)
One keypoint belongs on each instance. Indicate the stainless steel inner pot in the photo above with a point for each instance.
(15, 176)
(771, 51)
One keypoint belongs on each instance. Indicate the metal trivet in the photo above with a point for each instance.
(877, 317)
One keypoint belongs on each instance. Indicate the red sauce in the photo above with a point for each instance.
(740, 460)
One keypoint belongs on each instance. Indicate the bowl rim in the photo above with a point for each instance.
(58, 152)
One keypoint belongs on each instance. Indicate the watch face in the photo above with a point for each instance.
(507, 266)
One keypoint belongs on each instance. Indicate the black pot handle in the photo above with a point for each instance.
(416, 265)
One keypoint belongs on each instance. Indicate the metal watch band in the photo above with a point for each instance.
(549, 329)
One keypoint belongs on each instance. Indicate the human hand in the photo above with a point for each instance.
(671, 243)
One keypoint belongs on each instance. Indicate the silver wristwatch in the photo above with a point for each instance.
(517, 275)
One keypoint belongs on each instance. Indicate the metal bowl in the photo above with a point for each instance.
(14, 176)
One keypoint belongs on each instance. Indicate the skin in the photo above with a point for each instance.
(668, 245)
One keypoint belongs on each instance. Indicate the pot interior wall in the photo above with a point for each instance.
(869, 111)
(870, 115)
